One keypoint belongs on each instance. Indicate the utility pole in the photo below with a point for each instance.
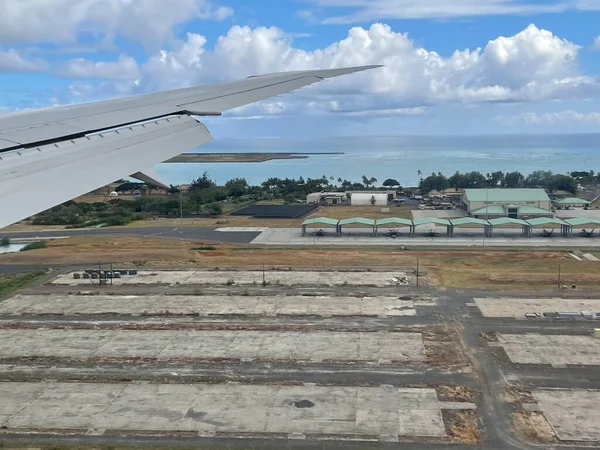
(180, 205)
(417, 273)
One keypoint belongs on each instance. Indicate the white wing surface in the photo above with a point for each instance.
(52, 155)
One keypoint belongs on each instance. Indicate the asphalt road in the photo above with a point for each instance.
(188, 233)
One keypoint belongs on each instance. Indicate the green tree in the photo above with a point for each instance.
(563, 183)
(237, 187)
(512, 180)
(390, 182)
(434, 181)
(495, 178)
(539, 179)
(204, 182)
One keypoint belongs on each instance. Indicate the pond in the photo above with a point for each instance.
(11, 248)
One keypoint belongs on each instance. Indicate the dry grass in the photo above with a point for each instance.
(462, 426)
(451, 268)
(533, 427)
(454, 393)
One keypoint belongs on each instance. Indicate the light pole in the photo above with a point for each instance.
(181, 205)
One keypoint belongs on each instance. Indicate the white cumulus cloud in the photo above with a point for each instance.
(150, 22)
(12, 61)
(126, 68)
(532, 65)
(595, 44)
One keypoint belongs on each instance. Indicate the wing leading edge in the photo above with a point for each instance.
(52, 155)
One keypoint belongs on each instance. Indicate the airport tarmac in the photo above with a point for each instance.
(249, 278)
(207, 305)
(518, 307)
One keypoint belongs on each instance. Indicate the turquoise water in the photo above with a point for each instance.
(399, 157)
(11, 248)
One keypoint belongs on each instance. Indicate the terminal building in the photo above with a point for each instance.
(512, 203)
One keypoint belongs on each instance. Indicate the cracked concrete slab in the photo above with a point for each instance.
(233, 408)
(247, 277)
(208, 305)
(221, 344)
(556, 350)
(573, 414)
(518, 307)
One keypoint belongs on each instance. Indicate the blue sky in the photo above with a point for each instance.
(537, 70)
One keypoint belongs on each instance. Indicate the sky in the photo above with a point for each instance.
(449, 67)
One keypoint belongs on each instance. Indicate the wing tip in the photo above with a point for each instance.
(323, 73)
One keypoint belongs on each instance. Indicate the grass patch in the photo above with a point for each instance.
(11, 283)
(35, 246)
(4, 242)
(204, 248)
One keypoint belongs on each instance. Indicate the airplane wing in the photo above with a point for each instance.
(52, 155)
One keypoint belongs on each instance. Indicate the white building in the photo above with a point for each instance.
(366, 199)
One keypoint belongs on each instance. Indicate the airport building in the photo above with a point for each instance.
(513, 203)
(354, 198)
(572, 202)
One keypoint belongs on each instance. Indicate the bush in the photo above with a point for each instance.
(215, 209)
(115, 221)
(35, 246)
(4, 242)
(205, 247)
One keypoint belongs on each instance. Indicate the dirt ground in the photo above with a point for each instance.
(452, 268)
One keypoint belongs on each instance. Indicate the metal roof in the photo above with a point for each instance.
(506, 220)
(506, 195)
(465, 220)
(533, 210)
(361, 220)
(325, 220)
(389, 220)
(494, 209)
(545, 221)
(429, 220)
(583, 221)
(572, 200)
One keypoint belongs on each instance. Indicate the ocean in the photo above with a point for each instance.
(398, 157)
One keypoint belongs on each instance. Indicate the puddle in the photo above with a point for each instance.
(304, 404)
(11, 248)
